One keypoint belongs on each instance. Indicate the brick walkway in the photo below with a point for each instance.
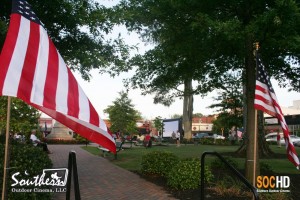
(100, 179)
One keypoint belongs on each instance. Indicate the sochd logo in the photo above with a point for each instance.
(273, 183)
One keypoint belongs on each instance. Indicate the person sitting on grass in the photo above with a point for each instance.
(37, 142)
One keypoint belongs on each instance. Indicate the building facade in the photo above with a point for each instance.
(202, 124)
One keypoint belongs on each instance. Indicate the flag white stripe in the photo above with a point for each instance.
(62, 87)
(264, 95)
(261, 93)
(102, 124)
(18, 57)
(41, 69)
(294, 156)
(102, 129)
(269, 96)
(84, 109)
(268, 107)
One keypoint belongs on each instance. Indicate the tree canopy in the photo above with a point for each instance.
(122, 115)
(181, 49)
(229, 104)
(158, 124)
(78, 29)
(179, 65)
(23, 117)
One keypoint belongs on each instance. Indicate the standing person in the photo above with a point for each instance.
(233, 135)
(178, 138)
(173, 137)
(37, 142)
(119, 135)
(278, 140)
(147, 141)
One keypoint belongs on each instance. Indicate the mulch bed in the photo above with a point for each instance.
(210, 194)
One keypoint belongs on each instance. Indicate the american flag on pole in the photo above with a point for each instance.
(265, 100)
(32, 69)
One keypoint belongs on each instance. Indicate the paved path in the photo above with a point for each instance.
(100, 179)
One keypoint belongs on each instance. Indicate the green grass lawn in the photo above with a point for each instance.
(130, 158)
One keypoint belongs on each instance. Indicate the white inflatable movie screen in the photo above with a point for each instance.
(170, 126)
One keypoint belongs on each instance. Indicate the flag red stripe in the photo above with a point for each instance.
(52, 78)
(94, 117)
(8, 47)
(263, 100)
(262, 108)
(28, 70)
(73, 96)
(260, 88)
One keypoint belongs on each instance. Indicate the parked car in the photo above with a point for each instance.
(218, 137)
(297, 144)
(294, 139)
(272, 137)
(201, 135)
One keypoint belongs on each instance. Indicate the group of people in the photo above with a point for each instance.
(146, 139)
(33, 139)
(19, 137)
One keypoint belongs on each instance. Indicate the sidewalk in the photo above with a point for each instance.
(100, 179)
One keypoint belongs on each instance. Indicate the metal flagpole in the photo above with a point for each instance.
(255, 125)
(6, 155)
(255, 148)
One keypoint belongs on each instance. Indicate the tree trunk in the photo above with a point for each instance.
(187, 109)
(264, 150)
(263, 147)
(251, 132)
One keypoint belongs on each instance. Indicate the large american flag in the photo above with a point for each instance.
(32, 69)
(265, 100)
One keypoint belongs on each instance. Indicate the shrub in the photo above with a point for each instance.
(212, 141)
(219, 168)
(206, 141)
(223, 142)
(218, 164)
(186, 174)
(29, 159)
(158, 162)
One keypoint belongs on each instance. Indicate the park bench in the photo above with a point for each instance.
(130, 143)
(118, 148)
